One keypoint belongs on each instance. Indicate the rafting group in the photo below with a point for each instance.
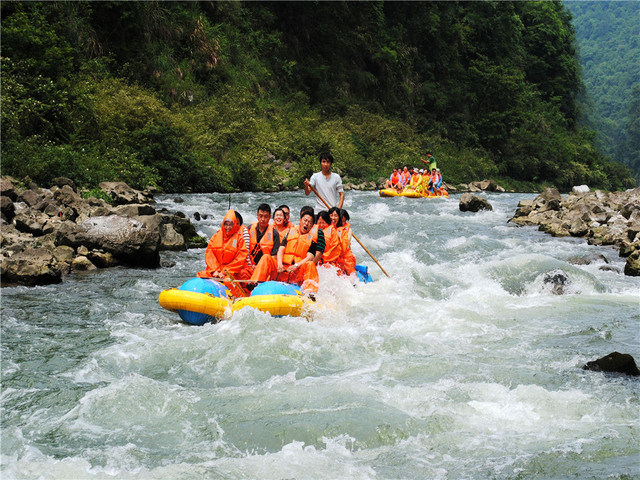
(414, 182)
(272, 265)
(279, 250)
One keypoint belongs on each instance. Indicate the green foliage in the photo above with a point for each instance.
(221, 96)
(608, 35)
(97, 193)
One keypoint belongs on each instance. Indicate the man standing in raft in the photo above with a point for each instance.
(227, 251)
(295, 259)
(327, 184)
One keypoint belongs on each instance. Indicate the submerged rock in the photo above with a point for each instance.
(558, 280)
(615, 362)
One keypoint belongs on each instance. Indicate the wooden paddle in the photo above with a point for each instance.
(353, 234)
(236, 283)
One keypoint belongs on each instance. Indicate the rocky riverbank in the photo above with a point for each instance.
(601, 218)
(48, 233)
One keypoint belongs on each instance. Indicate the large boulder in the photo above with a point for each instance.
(632, 266)
(7, 208)
(7, 189)
(130, 240)
(615, 362)
(33, 266)
(473, 203)
(122, 194)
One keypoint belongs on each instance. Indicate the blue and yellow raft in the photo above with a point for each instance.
(203, 300)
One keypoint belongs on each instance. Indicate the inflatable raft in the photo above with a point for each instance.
(204, 300)
(392, 192)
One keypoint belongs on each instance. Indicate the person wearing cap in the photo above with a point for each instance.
(227, 252)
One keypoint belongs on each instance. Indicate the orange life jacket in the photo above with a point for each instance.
(395, 178)
(225, 247)
(298, 245)
(415, 179)
(266, 242)
(333, 248)
(344, 232)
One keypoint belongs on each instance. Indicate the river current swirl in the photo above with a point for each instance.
(462, 365)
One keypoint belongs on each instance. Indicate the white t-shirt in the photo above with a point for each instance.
(329, 189)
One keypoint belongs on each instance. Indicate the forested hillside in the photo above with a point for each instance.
(608, 34)
(216, 96)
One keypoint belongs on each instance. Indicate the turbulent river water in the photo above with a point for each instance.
(462, 365)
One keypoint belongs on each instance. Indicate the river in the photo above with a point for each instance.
(462, 365)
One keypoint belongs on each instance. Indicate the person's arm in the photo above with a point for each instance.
(276, 242)
(280, 257)
(320, 246)
(213, 266)
(341, 201)
(308, 184)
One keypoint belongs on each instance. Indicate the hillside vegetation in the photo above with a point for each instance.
(217, 96)
(608, 34)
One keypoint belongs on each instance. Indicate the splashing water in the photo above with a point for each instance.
(463, 364)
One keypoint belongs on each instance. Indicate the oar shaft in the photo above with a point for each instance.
(313, 189)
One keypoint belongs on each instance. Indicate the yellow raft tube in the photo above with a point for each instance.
(392, 192)
(202, 300)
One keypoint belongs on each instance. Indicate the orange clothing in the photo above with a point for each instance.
(306, 275)
(415, 179)
(298, 245)
(333, 246)
(266, 242)
(227, 251)
(284, 231)
(347, 260)
(295, 251)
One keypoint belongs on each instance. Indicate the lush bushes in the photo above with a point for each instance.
(223, 96)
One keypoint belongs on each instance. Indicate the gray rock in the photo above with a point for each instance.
(473, 203)
(82, 264)
(130, 240)
(7, 189)
(557, 280)
(122, 194)
(33, 266)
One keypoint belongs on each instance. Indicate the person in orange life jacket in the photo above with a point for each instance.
(347, 260)
(327, 184)
(394, 180)
(406, 176)
(263, 239)
(435, 182)
(279, 223)
(318, 235)
(227, 250)
(334, 214)
(333, 247)
(295, 260)
(424, 182)
(414, 180)
(287, 213)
